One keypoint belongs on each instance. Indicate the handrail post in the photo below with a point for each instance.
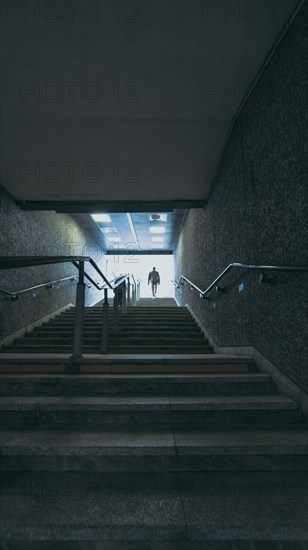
(124, 310)
(115, 311)
(138, 291)
(134, 294)
(104, 339)
(79, 314)
(128, 291)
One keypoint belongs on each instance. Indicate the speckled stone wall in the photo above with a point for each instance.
(257, 213)
(42, 233)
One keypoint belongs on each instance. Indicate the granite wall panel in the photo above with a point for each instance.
(25, 233)
(257, 213)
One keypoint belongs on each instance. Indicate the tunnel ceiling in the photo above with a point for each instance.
(140, 231)
(128, 102)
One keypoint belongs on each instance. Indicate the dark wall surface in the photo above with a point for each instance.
(43, 234)
(257, 213)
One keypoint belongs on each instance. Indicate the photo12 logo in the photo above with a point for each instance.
(116, 173)
(70, 92)
(245, 12)
(69, 11)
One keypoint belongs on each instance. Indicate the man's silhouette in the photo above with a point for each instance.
(154, 278)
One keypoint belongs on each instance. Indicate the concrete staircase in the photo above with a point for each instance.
(151, 461)
(143, 330)
(156, 452)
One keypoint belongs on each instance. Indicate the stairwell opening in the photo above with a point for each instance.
(140, 266)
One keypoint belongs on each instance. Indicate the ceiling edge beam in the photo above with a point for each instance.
(99, 207)
(138, 252)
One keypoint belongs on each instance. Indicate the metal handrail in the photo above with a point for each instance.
(15, 295)
(87, 276)
(203, 293)
(13, 262)
(120, 281)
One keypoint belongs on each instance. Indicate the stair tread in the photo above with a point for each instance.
(251, 377)
(161, 402)
(154, 439)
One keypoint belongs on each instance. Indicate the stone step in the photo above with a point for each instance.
(140, 448)
(137, 308)
(124, 326)
(154, 510)
(133, 349)
(53, 331)
(153, 314)
(23, 363)
(131, 318)
(134, 311)
(130, 408)
(109, 384)
(177, 348)
(96, 334)
(121, 339)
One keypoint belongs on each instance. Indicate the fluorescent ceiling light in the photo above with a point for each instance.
(157, 229)
(157, 246)
(104, 218)
(108, 230)
(114, 239)
(155, 218)
(157, 239)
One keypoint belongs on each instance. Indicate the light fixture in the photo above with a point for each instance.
(114, 239)
(107, 230)
(157, 239)
(154, 246)
(156, 217)
(103, 218)
(158, 229)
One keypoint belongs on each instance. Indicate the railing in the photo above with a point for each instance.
(15, 295)
(263, 277)
(121, 287)
(135, 290)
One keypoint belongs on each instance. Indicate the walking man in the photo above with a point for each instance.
(154, 278)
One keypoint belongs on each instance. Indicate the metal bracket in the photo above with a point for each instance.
(220, 289)
(265, 279)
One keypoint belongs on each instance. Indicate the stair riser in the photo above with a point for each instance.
(144, 327)
(129, 316)
(96, 350)
(96, 332)
(98, 417)
(126, 324)
(134, 310)
(162, 463)
(142, 388)
(112, 340)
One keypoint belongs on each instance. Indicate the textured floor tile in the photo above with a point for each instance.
(91, 506)
(269, 506)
